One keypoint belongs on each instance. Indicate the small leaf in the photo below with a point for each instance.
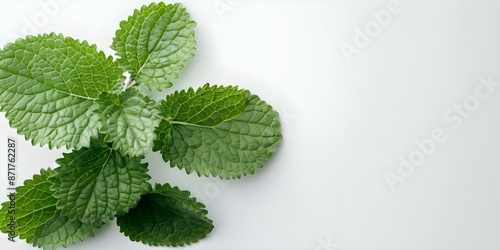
(37, 219)
(155, 43)
(129, 121)
(166, 216)
(48, 85)
(219, 131)
(97, 183)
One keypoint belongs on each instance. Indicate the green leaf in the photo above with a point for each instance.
(97, 183)
(219, 131)
(36, 218)
(166, 217)
(129, 121)
(155, 43)
(48, 85)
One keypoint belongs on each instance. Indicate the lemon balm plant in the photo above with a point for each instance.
(64, 93)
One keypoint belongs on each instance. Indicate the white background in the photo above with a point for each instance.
(345, 124)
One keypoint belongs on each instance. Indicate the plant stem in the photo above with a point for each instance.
(131, 82)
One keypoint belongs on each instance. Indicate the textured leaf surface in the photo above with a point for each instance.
(94, 184)
(47, 87)
(155, 43)
(207, 106)
(129, 121)
(219, 131)
(164, 137)
(166, 216)
(61, 231)
(37, 219)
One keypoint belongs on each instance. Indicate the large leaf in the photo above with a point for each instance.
(48, 85)
(36, 218)
(129, 121)
(166, 216)
(95, 184)
(155, 43)
(219, 131)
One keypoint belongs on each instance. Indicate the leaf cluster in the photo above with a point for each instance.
(64, 93)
